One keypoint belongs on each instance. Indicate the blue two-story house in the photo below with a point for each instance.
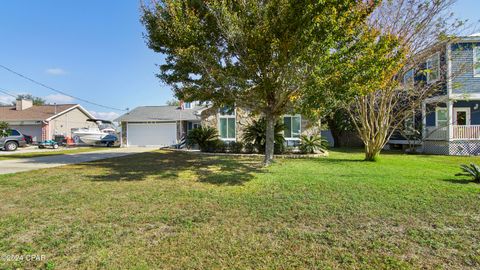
(451, 119)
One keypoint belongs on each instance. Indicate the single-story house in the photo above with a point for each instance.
(43, 122)
(167, 125)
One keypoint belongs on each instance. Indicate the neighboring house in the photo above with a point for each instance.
(166, 125)
(43, 122)
(450, 121)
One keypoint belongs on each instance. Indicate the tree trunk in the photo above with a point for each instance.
(371, 154)
(269, 139)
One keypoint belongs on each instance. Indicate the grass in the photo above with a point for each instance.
(50, 153)
(185, 211)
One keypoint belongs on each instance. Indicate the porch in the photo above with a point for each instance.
(451, 126)
(458, 132)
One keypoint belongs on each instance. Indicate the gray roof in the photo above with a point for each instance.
(160, 113)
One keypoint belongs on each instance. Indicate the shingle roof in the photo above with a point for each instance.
(37, 113)
(159, 113)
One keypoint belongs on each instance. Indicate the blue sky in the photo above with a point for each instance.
(92, 49)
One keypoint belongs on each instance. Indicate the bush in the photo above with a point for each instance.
(203, 137)
(278, 149)
(235, 147)
(215, 146)
(312, 144)
(255, 134)
(471, 170)
(249, 148)
(4, 128)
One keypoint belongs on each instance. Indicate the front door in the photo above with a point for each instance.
(461, 116)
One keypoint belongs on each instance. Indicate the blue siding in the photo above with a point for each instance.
(431, 116)
(475, 114)
(462, 69)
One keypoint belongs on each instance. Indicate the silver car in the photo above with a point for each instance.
(12, 141)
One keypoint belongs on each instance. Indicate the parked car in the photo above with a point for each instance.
(28, 139)
(14, 140)
(109, 140)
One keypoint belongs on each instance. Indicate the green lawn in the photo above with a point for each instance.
(186, 211)
(50, 153)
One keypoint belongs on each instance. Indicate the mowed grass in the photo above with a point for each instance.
(170, 210)
(47, 152)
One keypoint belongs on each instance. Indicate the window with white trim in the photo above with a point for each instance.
(441, 117)
(292, 127)
(227, 123)
(409, 79)
(476, 61)
(187, 105)
(433, 68)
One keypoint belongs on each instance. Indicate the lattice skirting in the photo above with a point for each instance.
(454, 148)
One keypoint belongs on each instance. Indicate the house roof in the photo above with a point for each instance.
(37, 113)
(160, 113)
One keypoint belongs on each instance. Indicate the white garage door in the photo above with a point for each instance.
(152, 134)
(33, 130)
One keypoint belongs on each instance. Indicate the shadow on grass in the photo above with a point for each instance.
(458, 181)
(166, 165)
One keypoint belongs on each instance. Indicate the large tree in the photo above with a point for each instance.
(255, 54)
(401, 35)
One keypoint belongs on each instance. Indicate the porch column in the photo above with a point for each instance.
(450, 119)
(424, 120)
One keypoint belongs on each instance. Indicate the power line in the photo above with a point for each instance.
(58, 91)
(7, 93)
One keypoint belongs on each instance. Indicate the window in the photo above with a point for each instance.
(191, 126)
(476, 61)
(187, 105)
(442, 117)
(227, 123)
(433, 68)
(13, 132)
(292, 126)
(409, 79)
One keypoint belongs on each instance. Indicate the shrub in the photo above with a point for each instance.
(4, 128)
(235, 147)
(249, 148)
(312, 144)
(203, 136)
(471, 170)
(255, 134)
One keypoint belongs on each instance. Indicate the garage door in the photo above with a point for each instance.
(153, 134)
(33, 130)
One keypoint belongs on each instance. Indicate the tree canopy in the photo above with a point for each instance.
(260, 55)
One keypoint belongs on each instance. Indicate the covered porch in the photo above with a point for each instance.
(452, 125)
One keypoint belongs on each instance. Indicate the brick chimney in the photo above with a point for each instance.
(23, 104)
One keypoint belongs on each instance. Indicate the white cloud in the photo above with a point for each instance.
(55, 71)
(59, 99)
(105, 115)
(6, 100)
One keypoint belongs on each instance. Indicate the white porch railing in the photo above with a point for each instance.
(470, 132)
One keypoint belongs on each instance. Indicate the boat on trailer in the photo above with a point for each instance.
(94, 135)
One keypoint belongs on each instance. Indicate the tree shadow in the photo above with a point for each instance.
(170, 165)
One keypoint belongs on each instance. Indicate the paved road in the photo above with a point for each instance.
(29, 164)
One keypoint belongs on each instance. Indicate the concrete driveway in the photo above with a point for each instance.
(29, 164)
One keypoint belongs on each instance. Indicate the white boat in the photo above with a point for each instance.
(93, 135)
